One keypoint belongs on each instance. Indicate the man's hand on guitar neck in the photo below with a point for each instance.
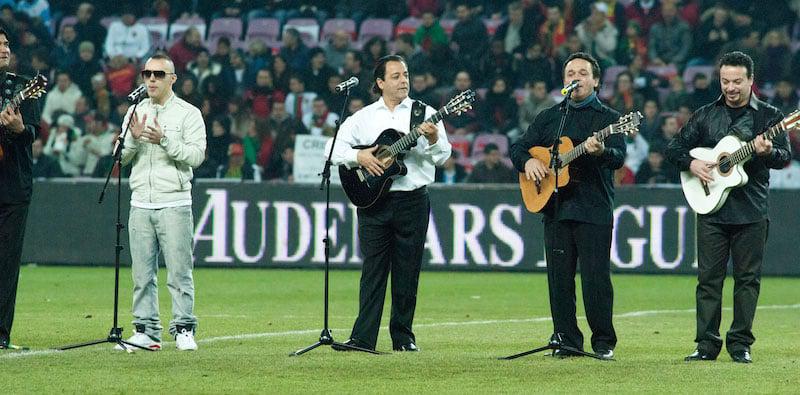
(430, 132)
(535, 170)
(367, 160)
(12, 120)
(594, 146)
(762, 145)
(702, 170)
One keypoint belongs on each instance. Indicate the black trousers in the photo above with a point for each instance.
(566, 244)
(392, 238)
(716, 244)
(12, 233)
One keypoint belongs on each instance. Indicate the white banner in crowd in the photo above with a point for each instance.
(309, 158)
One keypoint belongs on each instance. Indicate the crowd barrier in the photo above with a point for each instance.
(472, 227)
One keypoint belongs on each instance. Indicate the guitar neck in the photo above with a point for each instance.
(747, 150)
(13, 104)
(580, 149)
(408, 140)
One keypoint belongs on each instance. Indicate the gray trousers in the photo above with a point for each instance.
(168, 231)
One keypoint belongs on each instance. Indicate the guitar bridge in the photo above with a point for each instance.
(705, 189)
(361, 176)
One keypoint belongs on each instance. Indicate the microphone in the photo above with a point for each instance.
(345, 85)
(137, 94)
(566, 90)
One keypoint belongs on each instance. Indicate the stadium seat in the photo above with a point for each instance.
(224, 27)
(448, 25)
(460, 144)
(157, 27)
(408, 25)
(308, 29)
(334, 25)
(106, 21)
(665, 72)
(181, 25)
(492, 25)
(372, 27)
(267, 30)
(691, 71)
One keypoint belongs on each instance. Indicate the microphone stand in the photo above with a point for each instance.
(115, 335)
(325, 338)
(557, 340)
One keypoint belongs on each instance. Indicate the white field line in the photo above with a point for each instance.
(248, 336)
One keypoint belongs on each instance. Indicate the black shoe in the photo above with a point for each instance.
(562, 353)
(697, 355)
(349, 342)
(606, 355)
(741, 356)
(410, 347)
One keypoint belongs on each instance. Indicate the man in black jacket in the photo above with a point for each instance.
(739, 229)
(18, 129)
(581, 228)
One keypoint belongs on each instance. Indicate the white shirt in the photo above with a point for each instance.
(129, 41)
(306, 105)
(58, 100)
(364, 127)
(313, 129)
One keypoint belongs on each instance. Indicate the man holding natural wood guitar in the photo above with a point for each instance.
(732, 220)
(577, 219)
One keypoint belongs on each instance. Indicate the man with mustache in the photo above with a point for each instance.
(738, 230)
(392, 232)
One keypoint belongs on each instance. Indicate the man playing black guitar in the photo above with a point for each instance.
(581, 229)
(392, 232)
(739, 229)
(18, 129)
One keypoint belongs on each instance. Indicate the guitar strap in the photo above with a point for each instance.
(417, 116)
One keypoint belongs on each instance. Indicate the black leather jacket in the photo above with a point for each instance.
(16, 182)
(707, 126)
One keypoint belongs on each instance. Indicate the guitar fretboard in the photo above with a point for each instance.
(408, 140)
(581, 148)
(747, 150)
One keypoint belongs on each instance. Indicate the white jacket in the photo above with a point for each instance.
(163, 174)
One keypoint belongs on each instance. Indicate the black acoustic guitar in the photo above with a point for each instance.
(34, 89)
(364, 189)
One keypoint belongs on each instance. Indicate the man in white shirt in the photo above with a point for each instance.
(167, 138)
(127, 37)
(392, 232)
(299, 101)
(62, 98)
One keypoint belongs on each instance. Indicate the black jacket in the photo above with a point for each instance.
(589, 196)
(707, 126)
(15, 168)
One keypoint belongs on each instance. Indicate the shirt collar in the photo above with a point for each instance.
(405, 103)
(752, 103)
(166, 102)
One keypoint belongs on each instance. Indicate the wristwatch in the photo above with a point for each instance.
(163, 141)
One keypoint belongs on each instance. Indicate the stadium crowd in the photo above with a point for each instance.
(263, 72)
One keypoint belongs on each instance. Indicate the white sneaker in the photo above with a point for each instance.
(184, 340)
(140, 339)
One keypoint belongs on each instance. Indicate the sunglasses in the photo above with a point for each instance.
(159, 74)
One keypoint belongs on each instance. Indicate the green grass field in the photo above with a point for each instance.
(250, 320)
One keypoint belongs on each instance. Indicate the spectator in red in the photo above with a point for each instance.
(186, 49)
(121, 75)
(553, 32)
(417, 8)
(646, 12)
(261, 97)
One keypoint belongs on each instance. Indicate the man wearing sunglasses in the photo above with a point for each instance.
(165, 140)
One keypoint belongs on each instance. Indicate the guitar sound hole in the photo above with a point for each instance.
(724, 167)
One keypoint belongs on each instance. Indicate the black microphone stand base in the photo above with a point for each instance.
(555, 345)
(114, 337)
(325, 339)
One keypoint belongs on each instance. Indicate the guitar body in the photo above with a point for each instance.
(536, 197)
(708, 198)
(364, 189)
